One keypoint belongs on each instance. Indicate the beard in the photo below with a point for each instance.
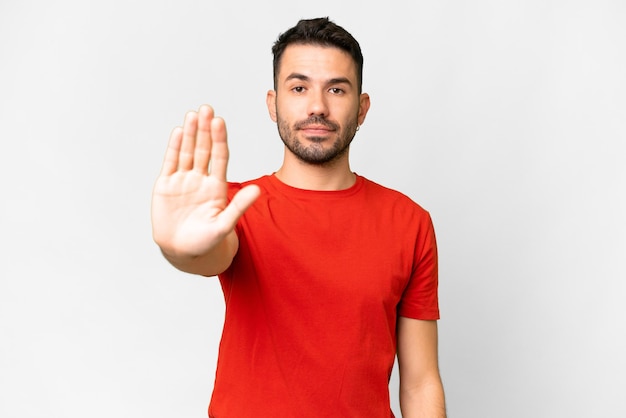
(316, 153)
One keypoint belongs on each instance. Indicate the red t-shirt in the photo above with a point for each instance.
(312, 299)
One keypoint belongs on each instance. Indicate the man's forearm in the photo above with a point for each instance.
(425, 401)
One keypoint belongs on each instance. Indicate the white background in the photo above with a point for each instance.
(505, 119)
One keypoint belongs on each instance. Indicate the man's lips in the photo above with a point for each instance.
(316, 129)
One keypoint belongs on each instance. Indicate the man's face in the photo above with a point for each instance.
(316, 104)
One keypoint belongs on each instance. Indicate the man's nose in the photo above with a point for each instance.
(318, 104)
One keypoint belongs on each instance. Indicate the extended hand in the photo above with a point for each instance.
(191, 215)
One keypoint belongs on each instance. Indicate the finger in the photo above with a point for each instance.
(202, 152)
(190, 127)
(219, 149)
(170, 162)
(238, 205)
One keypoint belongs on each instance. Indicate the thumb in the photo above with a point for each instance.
(239, 204)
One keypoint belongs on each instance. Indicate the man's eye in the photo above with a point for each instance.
(298, 89)
(336, 90)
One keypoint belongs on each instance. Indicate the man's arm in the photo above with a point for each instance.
(421, 390)
(192, 219)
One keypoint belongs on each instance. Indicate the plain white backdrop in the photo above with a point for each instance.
(505, 119)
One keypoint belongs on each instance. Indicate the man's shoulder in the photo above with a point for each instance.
(389, 195)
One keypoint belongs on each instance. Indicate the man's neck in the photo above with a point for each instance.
(332, 176)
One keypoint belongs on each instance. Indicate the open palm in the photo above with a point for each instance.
(191, 214)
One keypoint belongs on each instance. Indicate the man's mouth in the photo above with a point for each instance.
(316, 129)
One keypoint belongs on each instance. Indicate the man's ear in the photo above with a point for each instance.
(270, 100)
(364, 106)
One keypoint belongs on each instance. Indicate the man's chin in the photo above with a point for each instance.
(317, 154)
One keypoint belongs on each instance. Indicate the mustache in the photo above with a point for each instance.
(316, 120)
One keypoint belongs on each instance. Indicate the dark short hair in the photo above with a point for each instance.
(323, 32)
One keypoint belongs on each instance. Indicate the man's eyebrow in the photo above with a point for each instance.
(339, 80)
(297, 76)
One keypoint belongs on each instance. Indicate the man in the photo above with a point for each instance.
(326, 275)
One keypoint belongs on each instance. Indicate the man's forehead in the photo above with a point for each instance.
(317, 59)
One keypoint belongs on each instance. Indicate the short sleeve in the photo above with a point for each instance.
(420, 297)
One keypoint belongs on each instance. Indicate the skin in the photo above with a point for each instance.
(421, 390)
(317, 108)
